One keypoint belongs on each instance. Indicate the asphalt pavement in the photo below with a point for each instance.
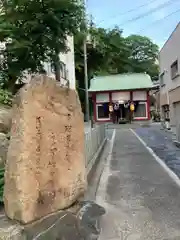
(161, 143)
(142, 201)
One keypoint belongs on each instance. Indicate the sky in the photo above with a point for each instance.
(148, 18)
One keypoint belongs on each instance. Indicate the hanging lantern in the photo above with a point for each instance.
(132, 107)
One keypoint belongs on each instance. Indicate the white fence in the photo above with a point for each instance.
(93, 140)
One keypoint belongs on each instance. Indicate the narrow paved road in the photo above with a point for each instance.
(141, 200)
(161, 143)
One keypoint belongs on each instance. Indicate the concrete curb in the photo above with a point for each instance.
(94, 162)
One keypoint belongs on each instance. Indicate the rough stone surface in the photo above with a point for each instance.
(10, 230)
(5, 119)
(4, 143)
(78, 223)
(88, 219)
(45, 168)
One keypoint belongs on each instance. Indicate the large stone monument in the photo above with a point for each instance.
(45, 168)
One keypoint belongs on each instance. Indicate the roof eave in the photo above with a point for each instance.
(112, 90)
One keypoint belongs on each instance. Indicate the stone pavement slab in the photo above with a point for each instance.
(80, 222)
(142, 202)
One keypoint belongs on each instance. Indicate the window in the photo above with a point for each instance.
(52, 68)
(161, 79)
(102, 111)
(165, 110)
(174, 69)
(66, 74)
(141, 110)
(63, 70)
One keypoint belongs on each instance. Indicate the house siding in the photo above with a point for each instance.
(170, 89)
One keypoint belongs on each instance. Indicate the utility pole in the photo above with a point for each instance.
(85, 67)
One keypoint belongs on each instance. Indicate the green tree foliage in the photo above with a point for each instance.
(108, 52)
(35, 31)
(143, 55)
(96, 56)
(5, 97)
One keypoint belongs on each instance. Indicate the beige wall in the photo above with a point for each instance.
(157, 96)
(163, 98)
(174, 101)
(174, 95)
(168, 54)
(170, 91)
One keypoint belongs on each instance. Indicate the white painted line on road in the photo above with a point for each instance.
(172, 175)
(113, 138)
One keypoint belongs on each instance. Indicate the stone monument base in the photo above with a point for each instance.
(78, 222)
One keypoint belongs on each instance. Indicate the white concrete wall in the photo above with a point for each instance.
(169, 54)
(68, 60)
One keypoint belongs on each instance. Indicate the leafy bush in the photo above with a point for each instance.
(5, 97)
(1, 184)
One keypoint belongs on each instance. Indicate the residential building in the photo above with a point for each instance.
(169, 60)
(67, 67)
(121, 88)
(155, 97)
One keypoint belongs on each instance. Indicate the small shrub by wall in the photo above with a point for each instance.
(5, 101)
(5, 97)
(1, 184)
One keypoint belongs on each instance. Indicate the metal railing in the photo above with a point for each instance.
(93, 140)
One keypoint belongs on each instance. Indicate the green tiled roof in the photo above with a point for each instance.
(121, 82)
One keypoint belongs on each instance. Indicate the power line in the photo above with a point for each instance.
(129, 11)
(155, 9)
(159, 20)
(160, 6)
